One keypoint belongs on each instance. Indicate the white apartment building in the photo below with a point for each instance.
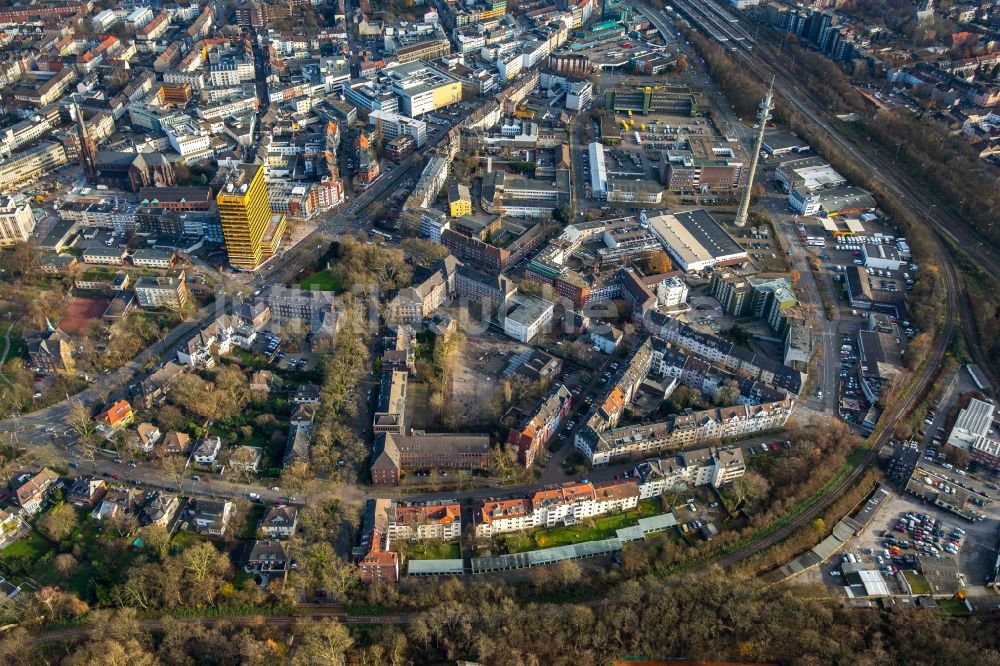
(152, 258)
(104, 20)
(16, 222)
(161, 292)
(230, 108)
(188, 140)
(197, 350)
(509, 65)
(671, 292)
(691, 468)
(469, 43)
(432, 223)
(231, 73)
(196, 79)
(22, 133)
(601, 447)
(435, 519)
(528, 317)
(139, 17)
(394, 124)
(566, 504)
(579, 95)
(534, 52)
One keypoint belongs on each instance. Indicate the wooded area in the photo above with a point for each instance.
(706, 617)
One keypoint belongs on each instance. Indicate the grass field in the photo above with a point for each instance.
(434, 550)
(604, 527)
(322, 281)
(33, 546)
(918, 584)
(953, 606)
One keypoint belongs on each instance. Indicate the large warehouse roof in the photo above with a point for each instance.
(598, 170)
(696, 240)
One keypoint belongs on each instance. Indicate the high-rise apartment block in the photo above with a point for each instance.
(251, 231)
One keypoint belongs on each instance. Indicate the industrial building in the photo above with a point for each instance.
(783, 142)
(701, 163)
(833, 201)
(598, 170)
(696, 241)
(881, 256)
(647, 100)
(974, 422)
(812, 173)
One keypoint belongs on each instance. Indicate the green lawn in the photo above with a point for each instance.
(184, 539)
(96, 572)
(33, 546)
(918, 583)
(603, 527)
(434, 550)
(953, 606)
(322, 281)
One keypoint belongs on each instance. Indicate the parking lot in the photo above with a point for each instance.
(928, 545)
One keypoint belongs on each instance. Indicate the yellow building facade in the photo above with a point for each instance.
(251, 231)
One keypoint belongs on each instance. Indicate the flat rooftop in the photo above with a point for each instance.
(418, 77)
(813, 173)
(528, 309)
(695, 234)
(783, 140)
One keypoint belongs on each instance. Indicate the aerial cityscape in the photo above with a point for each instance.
(364, 332)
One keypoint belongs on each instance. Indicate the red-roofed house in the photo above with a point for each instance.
(616, 495)
(375, 561)
(504, 515)
(117, 415)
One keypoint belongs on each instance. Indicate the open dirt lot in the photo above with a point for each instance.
(480, 369)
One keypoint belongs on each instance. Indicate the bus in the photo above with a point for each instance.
(376, 232)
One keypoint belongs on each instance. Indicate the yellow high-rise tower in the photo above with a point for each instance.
(251, 231)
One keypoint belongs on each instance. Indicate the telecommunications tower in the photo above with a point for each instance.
(766, 106)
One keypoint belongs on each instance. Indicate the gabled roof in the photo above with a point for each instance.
(34, 487)
(280, 516)
(385, 454)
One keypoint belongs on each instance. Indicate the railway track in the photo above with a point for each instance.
(947, 229)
